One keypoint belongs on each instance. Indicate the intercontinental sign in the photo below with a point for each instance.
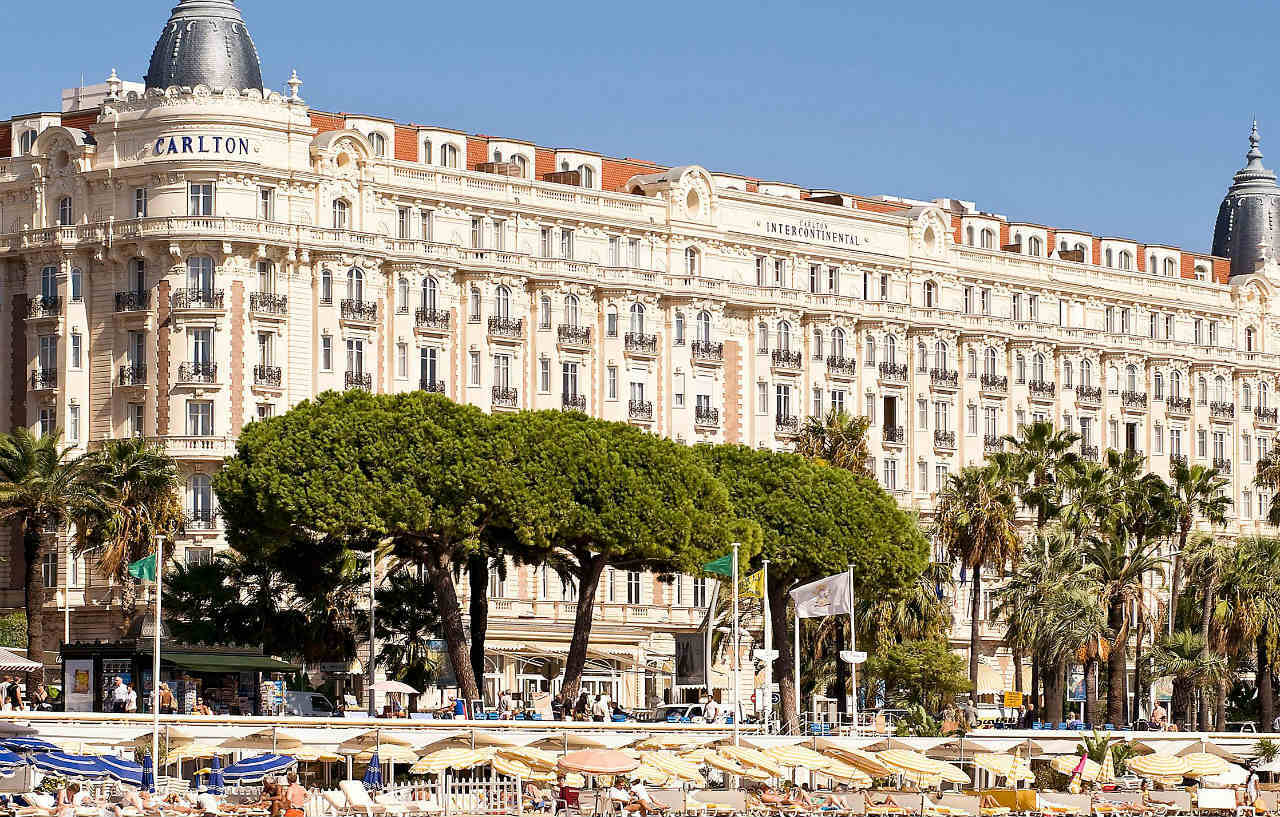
(813, 231)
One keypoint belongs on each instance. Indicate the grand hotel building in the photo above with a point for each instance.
(182, 256)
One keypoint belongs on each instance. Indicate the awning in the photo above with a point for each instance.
(12, 662)
(216, 662)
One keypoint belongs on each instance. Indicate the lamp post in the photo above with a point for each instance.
(64, 601)
(373, 604)
(155, 659)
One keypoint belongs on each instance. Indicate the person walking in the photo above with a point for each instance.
(119, 695)
(132, 704)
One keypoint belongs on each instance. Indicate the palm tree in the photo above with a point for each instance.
(1245, 614)
(43, 487)
(919, 612)
(1038, 455)
(139, 487)
(838, 440)
(1196, 493)
(1076, 628)
(1208, 558)
(1181, 656)
(975, 522)
(1261, 559)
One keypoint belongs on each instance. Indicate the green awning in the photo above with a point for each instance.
(214, 662)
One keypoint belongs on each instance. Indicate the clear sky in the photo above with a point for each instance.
(1123, 117)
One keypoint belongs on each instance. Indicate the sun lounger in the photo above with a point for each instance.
(1218, 801)
(956, 805)
(394, 806)
(1064, 805)
(358, 799)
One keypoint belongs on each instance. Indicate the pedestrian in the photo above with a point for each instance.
(4, 693)
(119, 695)
(599, 709)
(132, 704)
(166, 700)
(582, 709)
(711, 711)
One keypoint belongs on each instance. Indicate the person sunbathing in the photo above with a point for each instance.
(641, 801)
(800, 799)
(539, 798)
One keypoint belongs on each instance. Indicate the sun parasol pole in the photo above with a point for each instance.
(155, 660)
(737, 655)
(767, 697)
(795, 656)
(853, 665)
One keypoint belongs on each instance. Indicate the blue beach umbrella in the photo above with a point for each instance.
(126, 771)
(28, 745)
(73, 767)
(255, 769)
(10, 761)
(373, 774)
(148, 775)
(216, 783)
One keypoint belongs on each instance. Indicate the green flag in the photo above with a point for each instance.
(721, 567)
(144, 569)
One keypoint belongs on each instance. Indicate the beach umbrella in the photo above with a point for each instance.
(533, 758)
(858, 759)
(951, 773)
(511, 767)
(675, 742)
(753, 758)
(390, 754)
(1204, 764)
(264, 740)
(1108, 773)
(798, 757)
(149, 775)
(28, 745)
(126, 771)
(319, 756)
(716, 761)
(73, 767)
(650, 774)
(909, 763)
(216, 783)
(851, 775)
(192, 751)
(1066, 764)
(373, 739)
(683, 771)
(394, 687)
(10, 761)
(443, 759)
(257, 768)
(1234, 776)
(373, 774)
(597, 762)
(1159, 766)
(574, 780)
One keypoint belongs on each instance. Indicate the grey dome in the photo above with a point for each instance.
(206, 43)
(1248, 228)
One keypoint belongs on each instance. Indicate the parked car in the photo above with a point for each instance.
(308, 705)
(679, 713)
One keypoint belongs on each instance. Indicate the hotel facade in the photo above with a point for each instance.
(182, 256)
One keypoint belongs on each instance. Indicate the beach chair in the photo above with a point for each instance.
(989, 806)
(958, 805)
(337, 802)
(358, 799)
(1219, 801)
(394, 806)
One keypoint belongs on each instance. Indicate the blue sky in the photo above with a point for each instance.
(1125, 117)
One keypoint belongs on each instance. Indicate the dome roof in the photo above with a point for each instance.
(206, 43)
(1248, 228)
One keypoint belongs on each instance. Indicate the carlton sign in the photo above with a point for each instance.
(205, 145)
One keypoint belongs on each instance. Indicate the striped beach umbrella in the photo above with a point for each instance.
(850, 775)
(73, 767)
(373, 774)
(511, 767)
(216, 782)
(9, 761)
(798, 757)
(29, 745)
(859, 759)
(1159, 765)
(532, 757)
(1066, 764)
(123, 770)
(456, 759)
(257, 768)
(753, 758)
(683, 771)
(1204, 764)
(149, 775)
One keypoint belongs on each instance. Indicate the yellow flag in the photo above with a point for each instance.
(753, 587)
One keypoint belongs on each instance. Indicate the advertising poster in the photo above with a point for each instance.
(1075, 684)
(78, 685)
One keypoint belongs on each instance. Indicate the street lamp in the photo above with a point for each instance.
(63, 597)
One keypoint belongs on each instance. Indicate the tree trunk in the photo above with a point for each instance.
(1091, 693)
(1053, 690)
(784, 666)
(1220, 719)
(1175, 582)
(576, 662)
(1206, 620)
(1182, 702)
(1036, 701)
(1138, 697)
(1117, 669)
(1266, 699)
(478, 608)
(1017, 669)
(975, 627)
(440, 573)
(34, 598)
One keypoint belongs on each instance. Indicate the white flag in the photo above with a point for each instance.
(825, 597)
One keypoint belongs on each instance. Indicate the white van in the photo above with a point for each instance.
(308, 705)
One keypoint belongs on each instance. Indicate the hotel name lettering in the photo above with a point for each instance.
(814, 232)
(204, 144)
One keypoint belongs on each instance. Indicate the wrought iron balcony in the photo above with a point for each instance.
(1089, 452)
(640, 343)
(574, 402)
(133, 374)
(1178, 405)
(573, 335)
(640, 409)
(1222, 410)
(133, 301)
(705, 350)
(1089, 394)
(356, 310)
(198, 373)
(505, 397)
(787, 424)
(1223, 465)
(431, 319)
(268, 376)
(995, 383)
(1265, 416)
(268, 302)
(202, 519)
(359, 380)
(1133, 399)
(894, 434)
(706, 416)
(943, 379)
(45, 306)
(431, 386)
(894, 372)
(506, 327)
(1042, 389)
(991, 443)
(787, 359)
(197, 298)
(44, 380)
(944, 439)
(838, 366)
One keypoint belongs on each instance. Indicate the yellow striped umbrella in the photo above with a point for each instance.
(1006, 766)
(1108, 773)
(437, 762)
(905, 761)
(650, 774)
(673, 741)
(511, 767)
(684, 770)
(388, 754)
(574, 780)
(859, 759)
(716, 761)
(1066, 764)
(852, 775)
(951, 773)
(190, 751)
(317, 756)
(533, 758)
(798, 757)
(1204, 764)
(1159, 765)
(751, 757)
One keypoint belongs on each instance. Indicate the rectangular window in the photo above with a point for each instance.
(1199, 333)
(1033, 307)
(566, 244)
(402, 222)
(1016, 308)
(615, 251)
(760, 273)
(73, 424)
(762, 398)
(140, 202)
(202, 346)
(569, 379)
(76, 349)
(968, 300)
(941, 416)
(49, 570)
(783, 401)
(267, 203)
(48, 421)
(1219, 445)
(633, 587)
(544, 375)
(611, 377)
(48, 354)
(815, 276)
(833, 280)
(939, 477)
(884, 287)
(1157, 434)
(499, 234)
(817, 401)
(1213, 333)
(136, 416)
(700, 592)
(633, 253)
(502, 371)
(890, 474)
(678, 393)
(984, 298)
(326, 353)
(474, 368)
(355, 356)
(1202, 443)
(402, 360)
(922, 413)
(200, 199)
(477, 233)
(1175, 442)
(199, 418)
(837, 400)
(972, 415)
(77, 285)
(637, 391)
(547, 242)
(870, 411)
(426, 224)
(428, 365)
(1246, 447)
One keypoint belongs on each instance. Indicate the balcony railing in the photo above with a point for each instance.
(995, 383)
(133, 374)
(357, 310)
(44, 380)
(359, 380)
(1178, 405)
(133, 301)
(431, 386)
(1265, 416)
(506, 327)
(1042, 389)
(640, 409)
(943, 379)
(431, 319)
(893, 372)
(992, 443)
(1222, 410)
(268, 302)
(203, 519)
(944, 439)
(787, 359)
(574, 402)
(706, 416)
(1089, 394)
(505, 397)
(268, 376)
(787, 424)
(573, 335)
(45, 306)
(641, 343)
(197, 298)
(198, 373)
(1223, 465)
(705, 350)
(841, 366)
(894, 434)
(1089, 452)
(1133, 399)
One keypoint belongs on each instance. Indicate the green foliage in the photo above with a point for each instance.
(1266, 749)
(918, 723)
(919, 673)
(1094, 746)
(407, 621)
(13, 630)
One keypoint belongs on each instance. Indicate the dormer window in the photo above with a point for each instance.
(988, 239)
(586, 175)
(448, 156)
(379, 144)
(522, 164)
(1035, 246)
(27, 142)
(426, 151)
(1126, 260)
(1170, 268)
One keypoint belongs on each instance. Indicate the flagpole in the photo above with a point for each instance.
(795, 655)
(853, 647)
(768, 644)
(737, 654)
(155, 659)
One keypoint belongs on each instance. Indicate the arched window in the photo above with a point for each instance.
(502, 302)
(1151, 264)
(426, 151)
(448, 156)
(988, 239)
(200, 273)
(379, 144)
(355, 284)
(1250, 337)
(968, 235)
(890, 350)
(341, 214)
(402, 295)
(1113, 379)
(1020, 368)
(522, 165)
(1170, 268)
(1068, 375)
(763, 332)
(1175, 384)
(703, 328)
(1220, 389)
(1246, 396)
(430, 293)
(818, 351)
(586, 175)
(475, 299)
(1126, 260)
(1202, 386)
(690, 262)
(544, 312)
(571, 310)
(940, 356)
(28, 141)
(679, 328)
(784, 336)
(971, 362)
(1081, 249)
(1157, 385)
(1037, 367)
(837, 343)
(1035, 246)
(1131, 378)
(637, 318)
(1107, 258)
(871, 351)
(930, 294)
(1086, 374)
(989, 362)
(326, 285)
(65, 214)
(922, 357)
